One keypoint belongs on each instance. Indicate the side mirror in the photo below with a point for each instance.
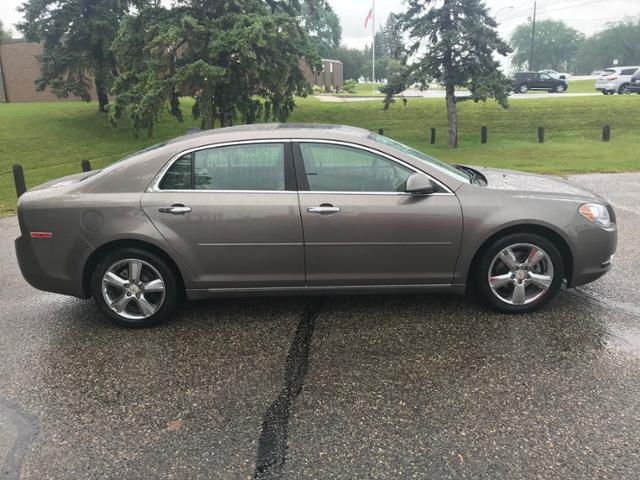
(420, 183)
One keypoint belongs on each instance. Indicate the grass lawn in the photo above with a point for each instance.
(50, 139)
(582, 86)
(363, 90)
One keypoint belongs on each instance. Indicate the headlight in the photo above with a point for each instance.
(595, 213)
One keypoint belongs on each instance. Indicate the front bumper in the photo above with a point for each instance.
(593, 254)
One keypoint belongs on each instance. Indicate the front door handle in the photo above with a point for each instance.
(177, 209)
(325, 208)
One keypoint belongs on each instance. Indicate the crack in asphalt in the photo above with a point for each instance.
(26, 428)
(272, 445)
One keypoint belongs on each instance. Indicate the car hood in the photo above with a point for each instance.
(499, 179)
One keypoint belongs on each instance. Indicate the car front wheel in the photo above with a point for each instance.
(560, 88)
(135, 288)
(520, 273)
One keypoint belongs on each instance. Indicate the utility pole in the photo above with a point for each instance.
(373, 43)
(533, 36)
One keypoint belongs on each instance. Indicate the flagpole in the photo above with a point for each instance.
(373, 43)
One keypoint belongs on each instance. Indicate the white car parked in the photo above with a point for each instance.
(556, 75)
(615, 80)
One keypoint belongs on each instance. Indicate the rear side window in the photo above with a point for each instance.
(179, 176)
(236, 167)
(629, 71)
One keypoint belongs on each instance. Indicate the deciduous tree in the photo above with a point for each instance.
(5, 33)
(322, 25)
(619, 41)
(556, 45)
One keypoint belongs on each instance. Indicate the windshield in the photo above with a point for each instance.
(432, 162)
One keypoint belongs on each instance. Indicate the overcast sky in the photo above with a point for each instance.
(586, 15)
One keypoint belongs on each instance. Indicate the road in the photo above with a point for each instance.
(441, 94)
(328, 388)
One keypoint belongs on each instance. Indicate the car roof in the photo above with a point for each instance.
(273, 130)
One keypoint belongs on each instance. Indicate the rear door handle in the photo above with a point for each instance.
(177, 209)
(326, 209)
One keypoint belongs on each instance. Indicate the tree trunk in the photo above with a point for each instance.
(103, 97)
(452, 116)
(226, 115)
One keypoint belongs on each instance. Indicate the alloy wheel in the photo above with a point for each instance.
(520, 274)
(133, 289)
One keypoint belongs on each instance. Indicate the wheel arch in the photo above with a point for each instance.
(543, 231)
(114, 245)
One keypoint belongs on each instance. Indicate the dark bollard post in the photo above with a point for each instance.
(606, 133)
(483, 135)
(540, 134)
(86, 165)
(432, 140)
(18, 178)
(381, 131)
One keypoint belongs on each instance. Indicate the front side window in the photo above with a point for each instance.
(337, 168)
(236, 167)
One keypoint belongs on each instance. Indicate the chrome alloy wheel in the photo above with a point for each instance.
(133, 289)
(520, 274)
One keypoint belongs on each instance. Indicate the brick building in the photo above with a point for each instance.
(330, 78)
(19, 69)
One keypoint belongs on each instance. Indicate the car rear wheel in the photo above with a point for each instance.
(523, 88)
(135, 288)
(624, 89)
(519, 273)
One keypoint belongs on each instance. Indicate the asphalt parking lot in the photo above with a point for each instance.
(337, 387)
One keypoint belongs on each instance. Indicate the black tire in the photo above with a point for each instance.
(481, 273)
(623, 89)
(560, 88)
(523, 88)
(172, 289)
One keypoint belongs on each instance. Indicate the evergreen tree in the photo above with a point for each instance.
(454, 43)
(234, 58)
(76, 37)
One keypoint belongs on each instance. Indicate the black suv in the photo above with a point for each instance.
(525, 81)
(634, 83)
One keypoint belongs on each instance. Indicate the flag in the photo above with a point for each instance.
(369, 17)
